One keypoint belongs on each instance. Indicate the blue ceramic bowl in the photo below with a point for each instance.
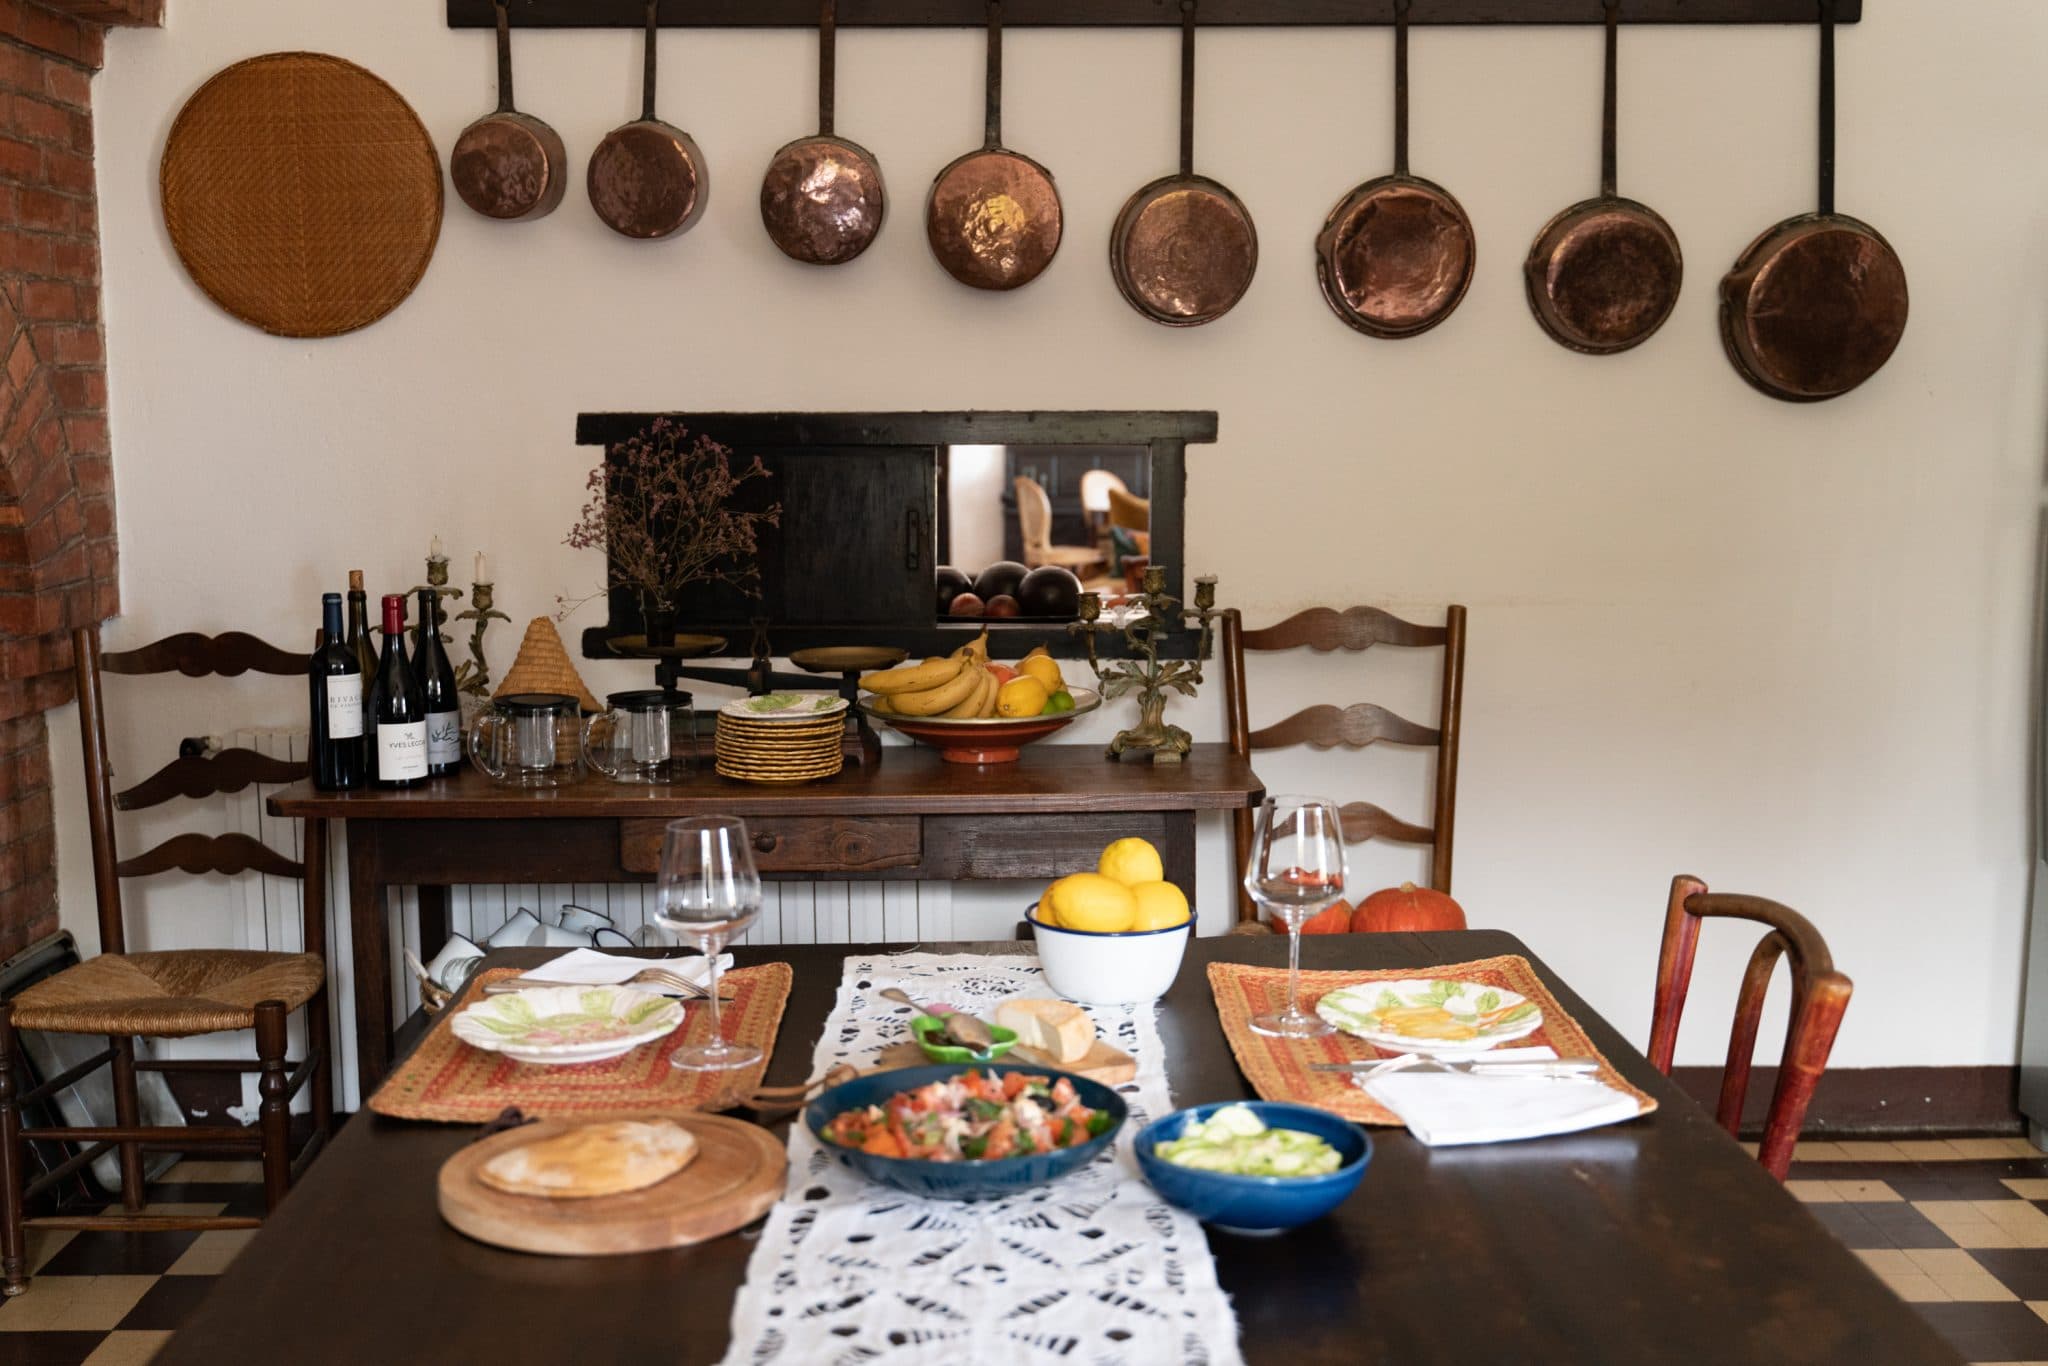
(1257, 1204)
(960, 1180)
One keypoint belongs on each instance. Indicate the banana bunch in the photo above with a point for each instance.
(958, 686)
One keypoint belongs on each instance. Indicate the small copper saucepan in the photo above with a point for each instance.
(1815, 306)
(822, 199)
(1395, 256)
(1605, 274)
(1184, 250)
(647, 178)
(508, 165)
(993, 216)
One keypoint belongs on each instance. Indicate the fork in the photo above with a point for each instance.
(645, 977)
(1551, 1068)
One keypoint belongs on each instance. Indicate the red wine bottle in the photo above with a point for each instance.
(398, 707)
(336, 685)
(365, 651)
(437, 682)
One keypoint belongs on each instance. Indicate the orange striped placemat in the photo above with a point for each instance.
(1278, 1068)
(446, 1079)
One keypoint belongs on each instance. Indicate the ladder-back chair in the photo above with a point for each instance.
(1354, 727)
(174, 993)
(1819, 997)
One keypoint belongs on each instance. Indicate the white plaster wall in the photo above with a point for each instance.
(1784, 647)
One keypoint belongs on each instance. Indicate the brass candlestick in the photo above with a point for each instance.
(473, 676)
(1143, 673)
(437, 583)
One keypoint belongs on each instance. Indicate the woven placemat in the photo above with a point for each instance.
(1278, 1068)
(302, 193)
(446, 1079)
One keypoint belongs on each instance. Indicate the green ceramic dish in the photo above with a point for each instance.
(925, 1026)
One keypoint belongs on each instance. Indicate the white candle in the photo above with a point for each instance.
(482, 569)
(434, 550)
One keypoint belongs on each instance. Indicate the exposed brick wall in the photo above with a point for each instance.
(57, 554)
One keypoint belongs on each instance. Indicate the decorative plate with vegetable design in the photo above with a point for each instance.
(1418, 1015)
(785, 706)
(567, 1024)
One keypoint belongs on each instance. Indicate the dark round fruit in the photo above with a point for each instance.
(951, 583)
(1049, 591)
(999, 579)
(966, 605)
(1003, 605)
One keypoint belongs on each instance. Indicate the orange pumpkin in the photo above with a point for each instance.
(1407, 907)
(1335, 920)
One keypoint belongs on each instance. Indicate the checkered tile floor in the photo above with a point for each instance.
(1958, 1227)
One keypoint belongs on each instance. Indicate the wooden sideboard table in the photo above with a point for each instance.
(912, 816)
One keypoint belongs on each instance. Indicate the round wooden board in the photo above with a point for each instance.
(736, 1177)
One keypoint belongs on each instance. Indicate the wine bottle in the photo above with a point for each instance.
(336, 685)
(437, 682)
(366, 658)
(399, 707)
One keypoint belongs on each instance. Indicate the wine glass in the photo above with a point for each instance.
(1297, 869)
(708, 893)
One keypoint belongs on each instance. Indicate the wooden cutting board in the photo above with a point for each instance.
(736, 1176)
(1110, 1066)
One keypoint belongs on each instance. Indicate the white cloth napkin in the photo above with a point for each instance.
(589, 967)
(1445, 1109)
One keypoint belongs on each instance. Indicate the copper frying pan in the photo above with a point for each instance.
(1395, 255)
(1815, 306)
(993, 216)
(647, 179)
(1183, 250)
(1605, 274)
(508, 165)
(822, 199)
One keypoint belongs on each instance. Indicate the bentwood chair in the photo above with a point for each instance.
(1819, 996)
(1354, 727)
(1034, 521)
(175, 993)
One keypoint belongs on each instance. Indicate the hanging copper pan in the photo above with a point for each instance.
(1605, 274)
(1815, 306)
(1183, 250)
(993, 216)
(1395, 256)
(647, 178)
(508, 165)
(822, 199)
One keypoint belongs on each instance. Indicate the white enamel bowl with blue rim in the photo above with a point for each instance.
(1110, 969)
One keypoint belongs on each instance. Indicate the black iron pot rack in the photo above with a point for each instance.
(1132, 13)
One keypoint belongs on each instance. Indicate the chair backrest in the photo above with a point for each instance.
(1096, 486)
(1034, 518)
(1129, 511)
(1354, 727)
(189, 776)
(1819, 996)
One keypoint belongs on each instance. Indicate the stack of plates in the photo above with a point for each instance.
(784, 737)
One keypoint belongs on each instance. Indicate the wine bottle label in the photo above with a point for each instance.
(444, 737)
(344, 706)
(401, 750)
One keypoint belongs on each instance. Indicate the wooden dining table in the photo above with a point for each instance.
(1656, 1241)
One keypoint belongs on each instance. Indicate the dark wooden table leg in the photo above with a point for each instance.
(1177, 853)
(372, 945)
(433, 920)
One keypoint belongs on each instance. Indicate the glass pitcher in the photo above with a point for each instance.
(644, 736)
(529, 740)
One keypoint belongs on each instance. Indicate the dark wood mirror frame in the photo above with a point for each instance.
(875, 458)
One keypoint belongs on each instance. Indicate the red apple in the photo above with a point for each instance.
(965, 605)
(1003, 605)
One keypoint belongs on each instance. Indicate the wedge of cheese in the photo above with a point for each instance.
(593, 1159)
(1059, 1029)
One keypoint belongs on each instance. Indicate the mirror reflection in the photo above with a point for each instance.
(1023, 530)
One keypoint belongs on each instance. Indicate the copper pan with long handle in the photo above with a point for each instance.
(508, 165)
(1605, 274)
(1817, 305)
(647, 179)
(822, 199)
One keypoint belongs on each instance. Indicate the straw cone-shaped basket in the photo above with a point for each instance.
(543, 666)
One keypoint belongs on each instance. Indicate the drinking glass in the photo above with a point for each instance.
(1297, 869)
(708, 893)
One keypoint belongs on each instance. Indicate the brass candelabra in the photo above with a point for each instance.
(1144, 674)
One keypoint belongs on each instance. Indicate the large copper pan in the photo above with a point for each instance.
(1183, 250)
(508, 165)
(1605, 274)
(1817, 305)
(993, 216)
(1395, 255)
(647, 178)
(822, 199)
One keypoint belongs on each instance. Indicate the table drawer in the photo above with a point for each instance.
(799, 844)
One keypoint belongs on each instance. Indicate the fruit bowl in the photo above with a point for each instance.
(1125, 967)
(995, 740)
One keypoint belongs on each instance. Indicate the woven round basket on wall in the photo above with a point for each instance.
(302, 193)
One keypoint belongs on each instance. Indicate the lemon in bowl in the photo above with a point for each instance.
(1131, 861)
(1104, 943)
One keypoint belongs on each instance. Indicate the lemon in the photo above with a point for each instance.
(1090, 901)
(1042, 668)
(1131, 861)
(1161, 906)
(1048, 912)
(1021, 696)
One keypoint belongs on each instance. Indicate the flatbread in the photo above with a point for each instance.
(593, 1159)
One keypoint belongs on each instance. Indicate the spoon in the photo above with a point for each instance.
(965, 1029)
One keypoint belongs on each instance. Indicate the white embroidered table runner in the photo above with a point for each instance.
(1092, 1268)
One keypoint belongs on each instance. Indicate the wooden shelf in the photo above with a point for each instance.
(1133, 13)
